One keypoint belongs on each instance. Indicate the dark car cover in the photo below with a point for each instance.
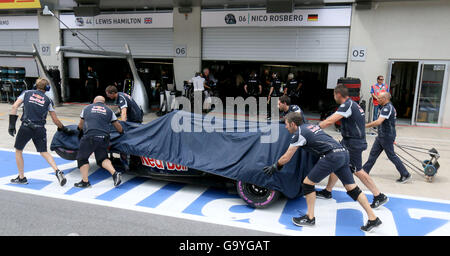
(224, 147)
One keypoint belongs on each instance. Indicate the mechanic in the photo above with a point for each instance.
(36, 105)
(162, 87)
(94, 133)
(91, 83)
(292, 88)
(386, 137)
(129, 109)
(354, 140)
(275, 87)
(375, 91)
(265, 82)
(333, 158)
(285, 106)
(253, 86)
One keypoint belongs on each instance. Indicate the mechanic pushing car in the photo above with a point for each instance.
(94, 138)
(386, 137)
(284, 104)
(129, 109)
(333, 158)
(354, 140)
(36, 106)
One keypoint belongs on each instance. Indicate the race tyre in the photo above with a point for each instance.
(66, 153)
(255, 196)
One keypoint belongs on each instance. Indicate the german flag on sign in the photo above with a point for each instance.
(313, 17)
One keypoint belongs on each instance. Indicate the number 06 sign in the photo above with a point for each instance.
(180, 51)
(358, 54)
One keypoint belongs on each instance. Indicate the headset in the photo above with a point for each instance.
(47, 87)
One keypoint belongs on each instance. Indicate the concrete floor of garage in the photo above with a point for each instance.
(383, 173)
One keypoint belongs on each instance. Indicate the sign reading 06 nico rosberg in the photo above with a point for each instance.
(325, 17)
(19, 4)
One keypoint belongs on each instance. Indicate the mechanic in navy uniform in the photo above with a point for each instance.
(333, 158)
(265, 82)
(292, 88)
(94, 129)
(36, 106)
(275, 87)
(91, 83)
(162, 87)
(253, 87)
(354, 140)
(386, 137)
(129, 109)
(285, 107)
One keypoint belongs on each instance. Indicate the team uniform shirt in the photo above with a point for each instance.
(265, 82)
(253, 85)
(313, 139)
(91, 78)
(97, 118)
(353, 123)
(134, 112)
(296, 109)
(377, 89)
(164, 82)
(198, 83)
(387, 128)
(276, 84)
(291, 86)
(36, 106)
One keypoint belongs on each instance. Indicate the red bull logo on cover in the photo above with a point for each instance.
(154, 163)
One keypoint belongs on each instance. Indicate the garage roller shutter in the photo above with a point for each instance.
(19, 40)
(276, 44)
(144, 43)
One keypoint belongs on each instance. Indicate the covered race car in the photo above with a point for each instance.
(191, 148)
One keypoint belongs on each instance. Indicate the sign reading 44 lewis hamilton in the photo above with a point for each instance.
(299, 18)
(122, 20)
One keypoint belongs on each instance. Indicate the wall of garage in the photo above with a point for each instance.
(187, 32)
(413, 30)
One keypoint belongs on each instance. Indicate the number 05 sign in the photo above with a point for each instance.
(358, 54)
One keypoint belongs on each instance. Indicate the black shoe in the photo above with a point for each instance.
(116, 177)
(404, 179)
(324, 194)
(82, 184)
(371, 224)
(304, 221)
(379, 200)
(18, 180)
(61, 179)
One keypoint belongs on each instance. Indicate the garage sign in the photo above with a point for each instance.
(18, 22)
(19, 4)
(123, 20)
(326, 17)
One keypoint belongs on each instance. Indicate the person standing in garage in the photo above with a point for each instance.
(333, 158)
(91, 84)
(292, 89)
(354, 140)
(275, 91)
(375, 91)
(386, 137)
(94, 133)
(253, 86)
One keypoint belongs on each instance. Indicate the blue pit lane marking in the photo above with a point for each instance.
(32, 162)
(96, 177)
(161, 195)
(122, 189)
(35, 184)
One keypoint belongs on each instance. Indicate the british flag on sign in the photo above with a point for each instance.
(148, 20)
